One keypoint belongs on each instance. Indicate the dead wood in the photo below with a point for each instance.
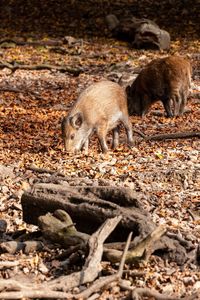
(88, 206)
(141, 251)
(73, 181)
(92, 265)
(21, 90)
(142, 33)
(12, 289)
(167, 136)
(178, 135)
(43, 170)
(101, 282)
(5, 42)
(15, 66)
(59, 228)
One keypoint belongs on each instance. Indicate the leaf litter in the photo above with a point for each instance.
(167, 172)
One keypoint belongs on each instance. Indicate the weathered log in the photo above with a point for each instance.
(89, 206)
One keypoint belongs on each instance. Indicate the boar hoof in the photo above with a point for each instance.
(131, 144)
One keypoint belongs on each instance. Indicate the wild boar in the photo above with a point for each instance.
(99, 108)
(167, 79)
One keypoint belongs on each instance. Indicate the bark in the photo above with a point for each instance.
(89, 206)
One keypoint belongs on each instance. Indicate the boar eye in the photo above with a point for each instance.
(72, 136)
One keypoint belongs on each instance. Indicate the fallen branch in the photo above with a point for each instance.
(177, 135)
(31, 43)
(88, 205)
(43, 170)
(92, 265)
(15, 66)
(141, 251)
(103, 281)
(18, 290)
(17, 90)
(167, 136)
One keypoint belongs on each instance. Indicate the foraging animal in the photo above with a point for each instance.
(99, 108)
(166, 79)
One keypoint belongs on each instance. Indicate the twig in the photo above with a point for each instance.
(33, 293)
(141, 251)
(32, 43)
(167, 136)
(43, 170)
(17, 290)
(15, 66)
(92, 265)
(178, 135)
(101, 282)
(16, 90)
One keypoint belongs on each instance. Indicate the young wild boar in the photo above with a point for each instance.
(166, 79)
(99, 108)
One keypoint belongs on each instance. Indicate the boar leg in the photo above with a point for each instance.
(115, 141)
(128, 126)
(177, 102)
(183, 104)
(166, 104)
(101, 133)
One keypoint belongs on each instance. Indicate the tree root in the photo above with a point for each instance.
(12, 289)
(101, 282)
(140, 252)
(15, 66)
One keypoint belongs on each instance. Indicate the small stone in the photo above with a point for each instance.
(196, 286)
(43, 269)
(168, 289)
(4, 189)
(188, 281)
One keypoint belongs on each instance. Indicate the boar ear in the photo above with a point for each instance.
(77, 120)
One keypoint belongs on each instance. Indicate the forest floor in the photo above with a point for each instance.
(167, 172)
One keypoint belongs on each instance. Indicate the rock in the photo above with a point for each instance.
(141, 33)
(151, 36)
(168, 289)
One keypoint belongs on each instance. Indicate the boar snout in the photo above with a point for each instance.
(72, 132)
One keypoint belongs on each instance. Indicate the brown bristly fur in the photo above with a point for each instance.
(166, 79)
